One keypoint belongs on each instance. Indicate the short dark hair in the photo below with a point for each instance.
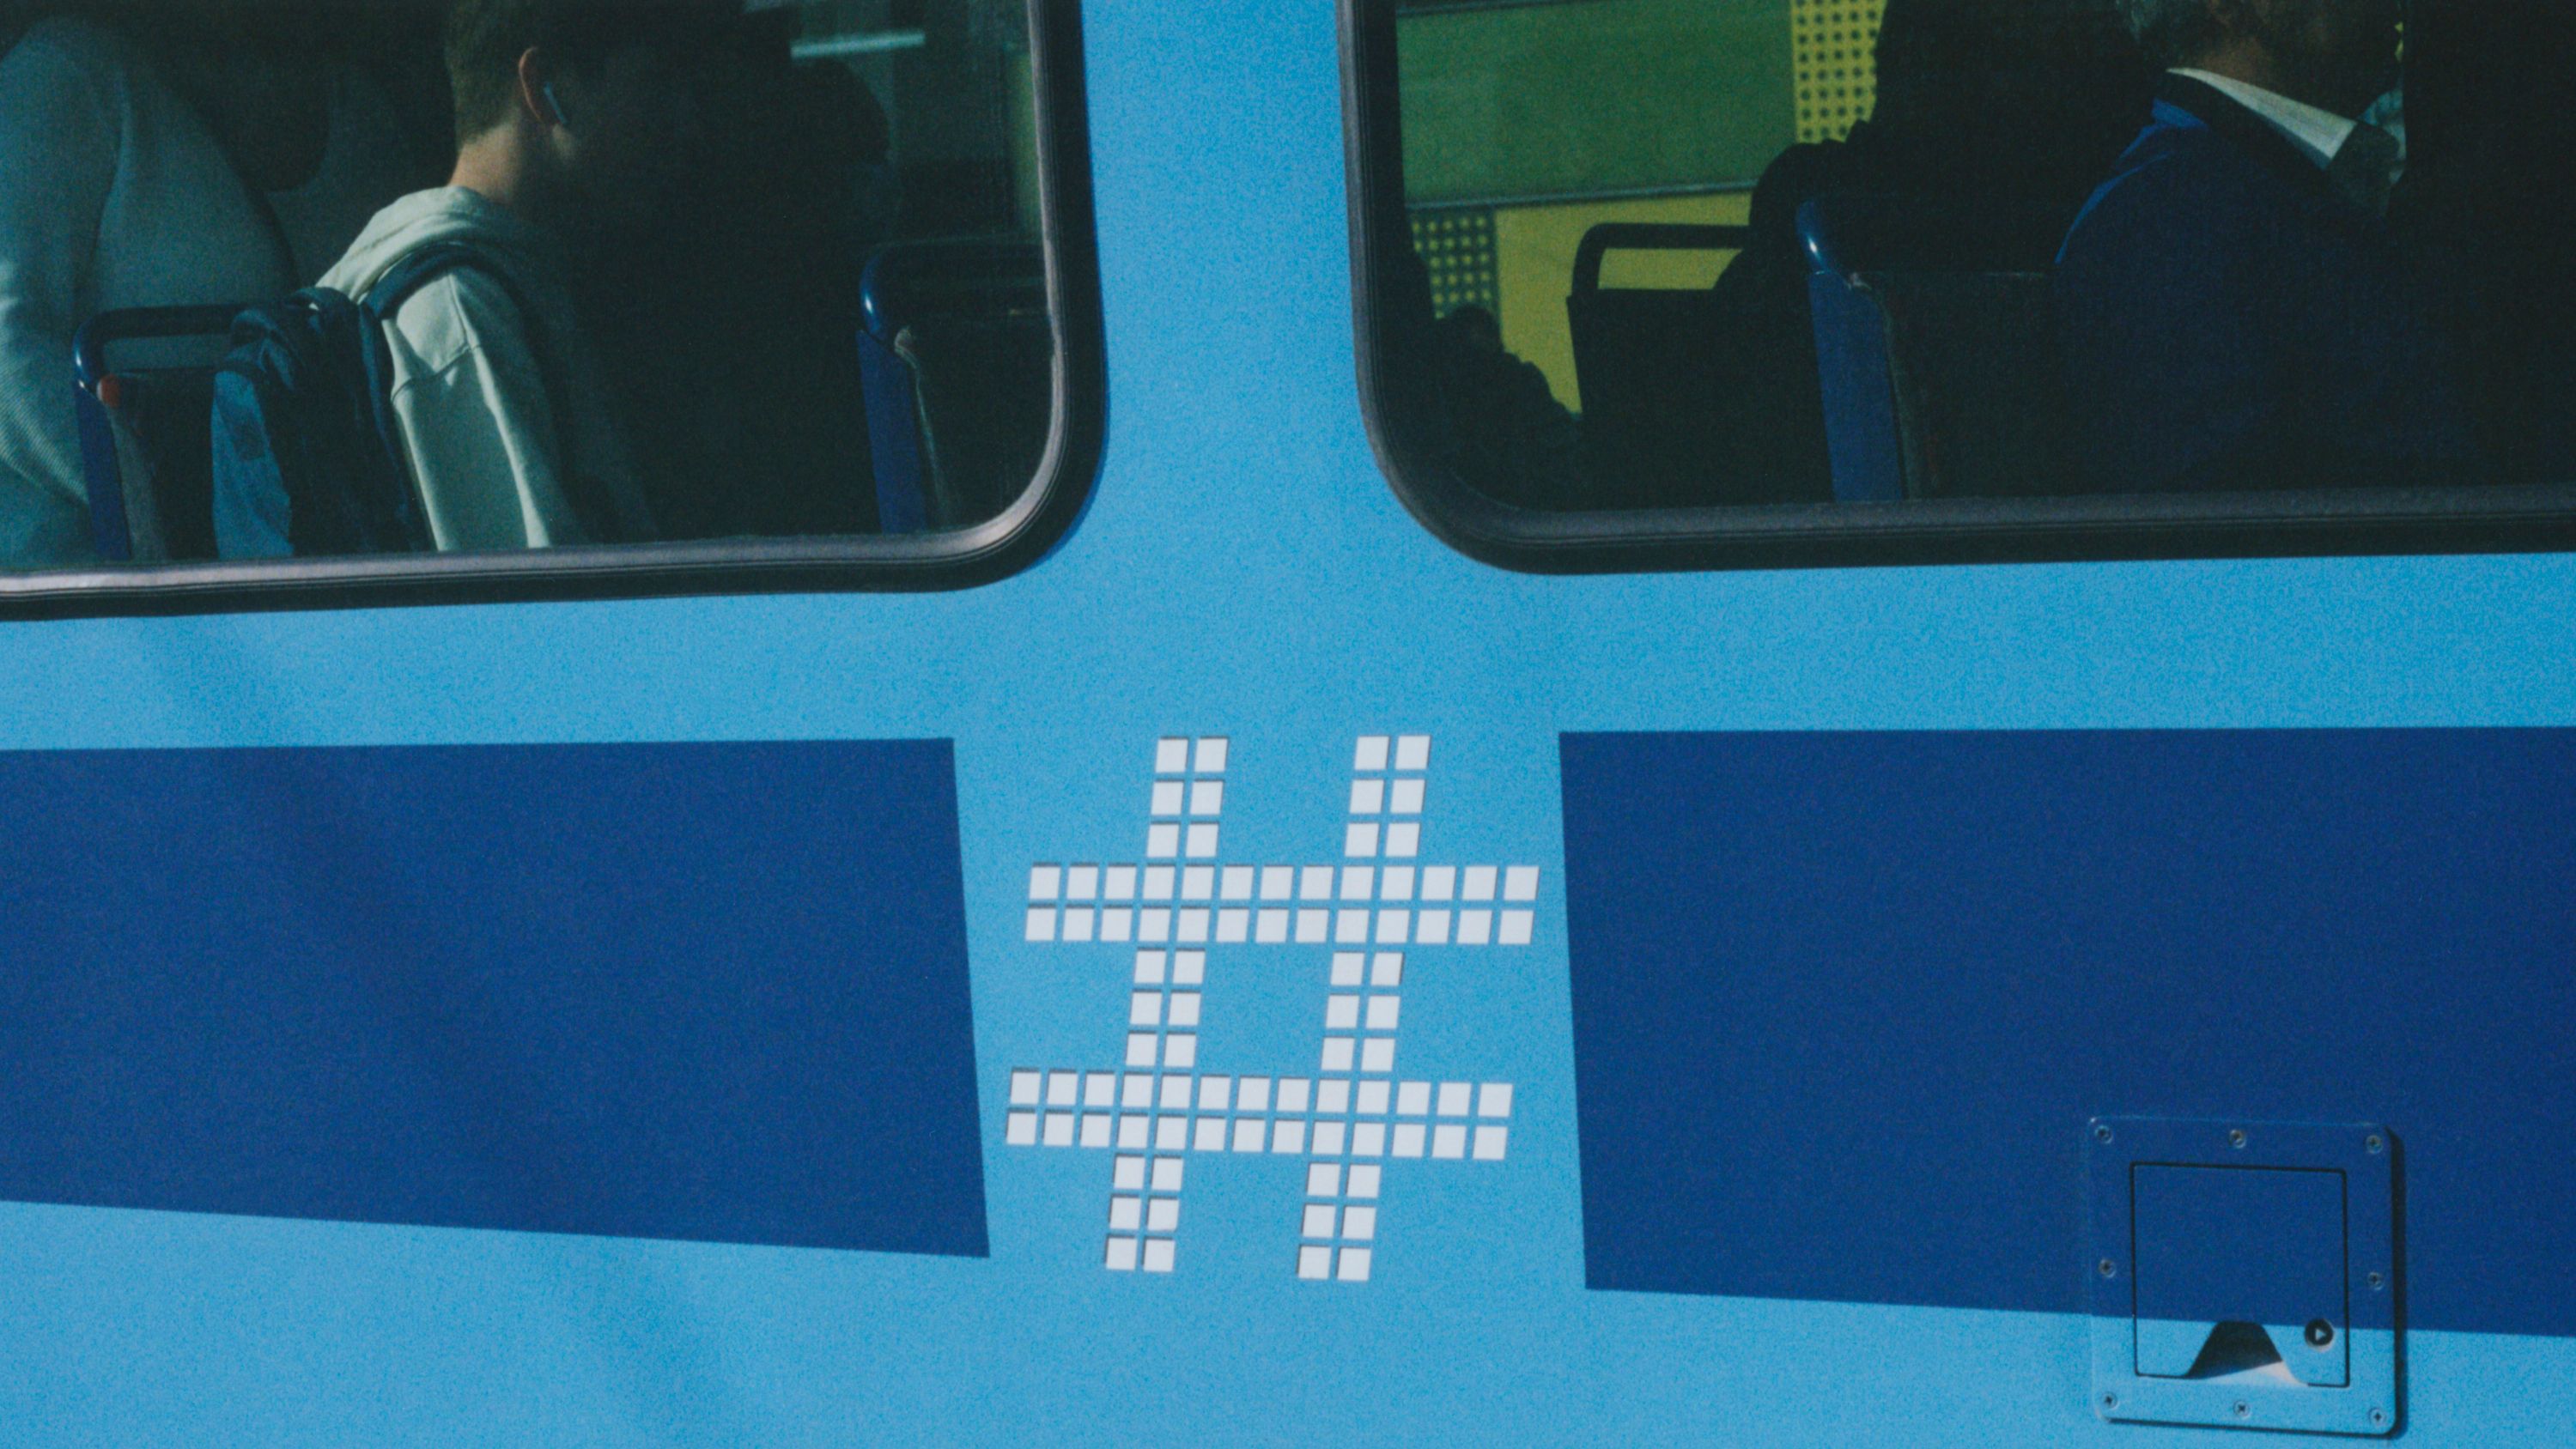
(485, 39)
(2173, 32)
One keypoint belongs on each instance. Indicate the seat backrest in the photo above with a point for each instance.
(1648, 363)
(145, 441)
(1938, 369)
(958, 360)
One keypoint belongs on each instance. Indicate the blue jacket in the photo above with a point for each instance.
(2230, 321)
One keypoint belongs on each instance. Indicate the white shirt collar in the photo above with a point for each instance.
(2318, 132)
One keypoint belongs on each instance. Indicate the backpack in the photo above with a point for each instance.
(303, 411)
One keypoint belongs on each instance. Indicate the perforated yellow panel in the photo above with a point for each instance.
(1457, 244)
(1837, 82)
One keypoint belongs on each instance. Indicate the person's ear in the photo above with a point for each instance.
(537, 94)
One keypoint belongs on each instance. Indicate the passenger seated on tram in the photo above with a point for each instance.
(161, 153)
(2234, 310)
(576, 128)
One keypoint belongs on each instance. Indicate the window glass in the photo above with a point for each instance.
(587, 272)
(1681, 266)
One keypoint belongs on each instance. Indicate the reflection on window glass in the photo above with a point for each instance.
(579, 272)
(1688, 253)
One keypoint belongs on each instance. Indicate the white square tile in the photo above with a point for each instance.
(1078, 921)
(1150, 966)
(1162, 882)
(1162, 842)
(1100, 1089)
(1171, 1134)
(1495, 1100)
(1118, 923)
(1431, 928)
(1159, 1255)
(1207, 797)
(1374, 1098)
(1455, 1097)
(1353, 1266)
(1208, 1135)
(1293, 1094)
(1404, 839)
(1154, 925)
(1020, 1129)
(1237, 882)
(1171, 756)
(1378, 1054)
(1180, 1051)
(1315, 883)
(1520, 883)
(1314, 1262)
(1215, 1093)
(1350, 928)
(1363, 1181)
(1145, 1008)
(1118, 883)
(1368, 1139)
(1252, 1094)
(1168, 795)
(1167, 1174)
(1324, 1179)
(1212, 751)
(1480, 882)
(1127, 1214)
(1271, 928)
(1198, 883)
(1395, 883)
(1489, 1143)
(1140, 1048)
(1313, 927)
(1413, 1099)
(1063, 1088)
(1202, 841)
(1025, 1085)
(1358, 882)
(1288, 1137)
(1333, 1096)
(1516, 928)
(1342, 1013)
(1450, 1140)
(1251, 1134)
(1393, 927)
(1046, 882)
(1121, 1257)
(1041, 923)
(1328, 1138)
(1360, 839)
(1059, 1129)
(1136, 1091)
(1383, 1011)
(1128, 1175)
(1082, 883)
(1413, 752)
(1386, 969)
(1194, 924)
(1439, 882)
(1318, 1220)
(1408, 1139)
(1189, 968)
(1185, 1008)
(1371, 754)
(1359, 1224)
(1176, 1094)
(1475, 928)
(1337, 1053)
(1232, 925)
(1348, 967)
(1134, 1133)
(1278, 882)
(1407, 797)
(1095, 1129)
(1163, 1215)
(1368, 797)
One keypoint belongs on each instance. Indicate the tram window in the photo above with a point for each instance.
(612, 295)
(1676, 283)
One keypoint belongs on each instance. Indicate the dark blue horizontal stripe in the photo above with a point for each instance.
(1843, 1002)
(711, 992)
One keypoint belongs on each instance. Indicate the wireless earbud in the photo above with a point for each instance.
(554, 103)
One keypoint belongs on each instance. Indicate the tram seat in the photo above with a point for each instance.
(957, 357)
(147, 447)
(1649, 364)
(1939, 367)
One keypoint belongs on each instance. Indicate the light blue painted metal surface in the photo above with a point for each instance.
(1243, 572)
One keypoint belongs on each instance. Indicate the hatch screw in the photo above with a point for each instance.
(2107, 1268)
(2320, 1333)
(2374, 1143)
(2102, 1132)
(2235, 1136)
(2244, 1410)
(2110, 1401)
(2378, 1418)
(2377, 1279)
